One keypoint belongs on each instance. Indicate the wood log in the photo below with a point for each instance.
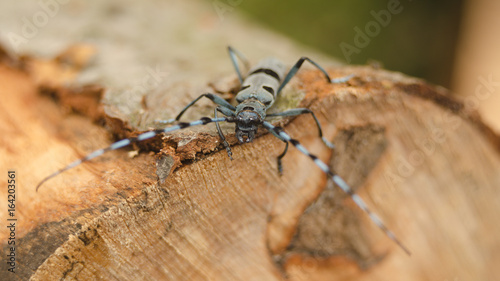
(177, 208)
(476, 71)
(429, 168)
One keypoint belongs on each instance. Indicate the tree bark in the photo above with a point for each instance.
(177, 208)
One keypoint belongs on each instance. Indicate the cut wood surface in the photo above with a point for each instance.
(177, 208)
(428, 168)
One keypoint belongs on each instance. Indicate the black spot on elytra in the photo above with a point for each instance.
(267, 71)
(269, 89)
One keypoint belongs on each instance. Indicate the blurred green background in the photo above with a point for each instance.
(420, 40)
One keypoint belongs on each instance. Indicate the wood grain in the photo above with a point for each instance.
(429, 169)
(176, 208)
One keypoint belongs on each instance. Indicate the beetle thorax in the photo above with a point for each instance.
(249, 116)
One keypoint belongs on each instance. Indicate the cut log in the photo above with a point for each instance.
(177, 208)
(428, 168)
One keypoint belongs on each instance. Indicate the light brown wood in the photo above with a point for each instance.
(476, 73)
(426, 166)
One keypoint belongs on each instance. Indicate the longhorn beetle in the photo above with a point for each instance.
(259, 90)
